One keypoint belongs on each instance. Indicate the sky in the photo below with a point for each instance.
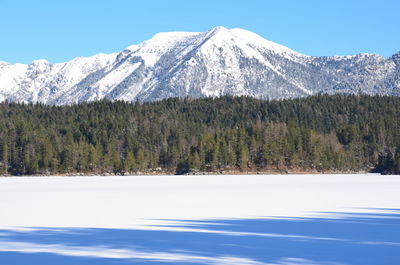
(64, 29)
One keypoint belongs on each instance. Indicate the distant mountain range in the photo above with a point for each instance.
(217, 62)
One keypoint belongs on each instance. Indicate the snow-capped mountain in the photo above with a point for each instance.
(213, 63)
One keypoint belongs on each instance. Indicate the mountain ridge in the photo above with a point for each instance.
(198, 64)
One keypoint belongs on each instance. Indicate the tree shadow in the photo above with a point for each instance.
(346, 238)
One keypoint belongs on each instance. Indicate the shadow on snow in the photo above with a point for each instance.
(346, 238)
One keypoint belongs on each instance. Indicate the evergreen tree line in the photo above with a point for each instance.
(318, 133)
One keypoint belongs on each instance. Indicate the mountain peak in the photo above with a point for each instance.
(40, 65)
(248, 37)
(39, 62)
(254, 39)
(217, 62)
(219, 29)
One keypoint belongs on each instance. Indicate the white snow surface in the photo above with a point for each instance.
(139, 201)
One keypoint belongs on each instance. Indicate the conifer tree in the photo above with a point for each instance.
(129, 163)
(397, 161)
(194, 161)
(4, 155)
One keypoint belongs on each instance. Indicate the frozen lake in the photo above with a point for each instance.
(211, 219)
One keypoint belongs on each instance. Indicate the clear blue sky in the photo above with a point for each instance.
(60, 30)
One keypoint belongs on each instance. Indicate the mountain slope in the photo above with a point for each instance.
(213, 63)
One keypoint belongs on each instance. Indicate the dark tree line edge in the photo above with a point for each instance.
(335, 133)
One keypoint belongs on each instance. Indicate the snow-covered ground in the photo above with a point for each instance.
(210, 219)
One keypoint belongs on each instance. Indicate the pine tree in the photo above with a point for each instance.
(92, 158)
(4, 155)
(244, 157)
(397, 161)
(129, 163)
(140, 159)
(194, 162)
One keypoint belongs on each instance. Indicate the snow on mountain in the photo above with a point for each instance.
(213, 63)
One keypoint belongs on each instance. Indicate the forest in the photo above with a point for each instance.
(322, 133)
